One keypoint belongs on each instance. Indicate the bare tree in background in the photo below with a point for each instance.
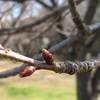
(29, 26)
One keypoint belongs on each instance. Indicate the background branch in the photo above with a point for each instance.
(50, 14)
(76, 17)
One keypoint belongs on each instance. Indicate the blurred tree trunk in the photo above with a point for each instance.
(87, 87)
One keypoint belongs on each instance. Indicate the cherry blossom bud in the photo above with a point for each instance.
(48, 57)
(27, 71)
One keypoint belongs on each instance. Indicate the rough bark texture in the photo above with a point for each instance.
(68, 67)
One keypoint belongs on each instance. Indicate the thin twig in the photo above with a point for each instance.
(50, 14)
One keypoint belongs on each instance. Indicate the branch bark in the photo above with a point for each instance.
(58, 67)
(76, 17)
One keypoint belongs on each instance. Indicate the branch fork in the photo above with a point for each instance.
(32, 65)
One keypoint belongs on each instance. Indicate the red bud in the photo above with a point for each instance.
(27, 71)
(48, 57)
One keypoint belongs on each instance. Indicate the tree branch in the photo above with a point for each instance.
(50, 14)
(37, 22)
(44, 4)
(76, 17)
(72, 40)
(58, 67)
(93, 29)
(66, 67)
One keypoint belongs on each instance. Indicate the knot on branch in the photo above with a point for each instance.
(77, 67)
(85, 66)
(70, 67)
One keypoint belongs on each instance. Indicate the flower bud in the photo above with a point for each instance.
(27, 71)
(48, 57)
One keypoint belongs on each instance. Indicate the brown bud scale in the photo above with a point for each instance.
(27, 71)
(48, 57)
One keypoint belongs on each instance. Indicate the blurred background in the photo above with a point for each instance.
(28, 26)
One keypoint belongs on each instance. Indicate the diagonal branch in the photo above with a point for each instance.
(76, 17)
(72, 40)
